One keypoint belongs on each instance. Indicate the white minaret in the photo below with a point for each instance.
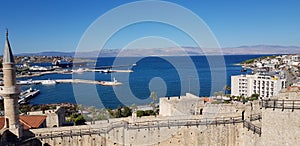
(10, 91)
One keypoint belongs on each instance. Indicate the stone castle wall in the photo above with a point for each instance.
(215, 134)
(228, 135)
(280, 127)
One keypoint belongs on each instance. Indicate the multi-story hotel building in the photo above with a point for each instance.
(266, 85)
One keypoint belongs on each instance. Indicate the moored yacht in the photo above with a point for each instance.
(109, 83)
(48, 82)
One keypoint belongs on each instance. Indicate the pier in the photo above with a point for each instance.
(82, 81)
(77, 81)
(110, 70)
(43, 73)
(103, 83)
(68, 81)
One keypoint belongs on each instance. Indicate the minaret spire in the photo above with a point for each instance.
(8, 55)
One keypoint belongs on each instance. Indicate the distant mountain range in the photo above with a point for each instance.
(48, 53)
(257, 49)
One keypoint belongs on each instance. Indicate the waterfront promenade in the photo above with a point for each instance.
(68, 81)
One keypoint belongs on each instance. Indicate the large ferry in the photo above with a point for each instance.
(28, 94)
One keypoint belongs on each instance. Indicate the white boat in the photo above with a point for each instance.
(48, 82)
(79, 71)
(27, 95)
(107, 71)
(27, 82)
(108, 83)
(38, 68)
(22, 101)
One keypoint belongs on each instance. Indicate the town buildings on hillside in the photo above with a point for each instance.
(270, 75)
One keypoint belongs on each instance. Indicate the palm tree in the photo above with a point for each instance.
(93, 111)
(154, 98)
(133, 107)
(226, 88)
(80, 107)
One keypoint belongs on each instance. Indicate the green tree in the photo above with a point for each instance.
(110, 111)
(118, 112)
(149, 113)
(226, 89)
(139, 113)
(254, 97)
(78, 119)
(80, 107)
(93, 111)
(102, 115)
(126, 111)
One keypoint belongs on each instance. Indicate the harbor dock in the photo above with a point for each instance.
(110, 70)
(43, 73)
(104, 83)
(77, 81)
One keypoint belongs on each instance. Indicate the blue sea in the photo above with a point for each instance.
(166, 76)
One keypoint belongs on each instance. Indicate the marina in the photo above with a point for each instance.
(138, 80)
(27, 95)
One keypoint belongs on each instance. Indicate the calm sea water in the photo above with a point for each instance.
(167, 76)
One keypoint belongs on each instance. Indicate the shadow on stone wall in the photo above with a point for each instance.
(7, 138)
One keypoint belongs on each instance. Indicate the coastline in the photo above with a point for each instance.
(42, 73)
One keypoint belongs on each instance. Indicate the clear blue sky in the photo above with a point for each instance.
(57, 25)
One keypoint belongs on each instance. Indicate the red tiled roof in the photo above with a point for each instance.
(28, 121)
(32, 121)
(290, 88)
(206, 99)
(2, 122)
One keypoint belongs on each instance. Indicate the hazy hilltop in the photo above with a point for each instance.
(263, 49)
(48, 53)
(242, 50)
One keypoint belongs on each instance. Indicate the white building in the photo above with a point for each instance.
(295, 58)
(275, 61)
(286, 61)
(265, 85)
(180, 106)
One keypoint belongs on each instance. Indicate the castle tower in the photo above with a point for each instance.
(10, 91)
